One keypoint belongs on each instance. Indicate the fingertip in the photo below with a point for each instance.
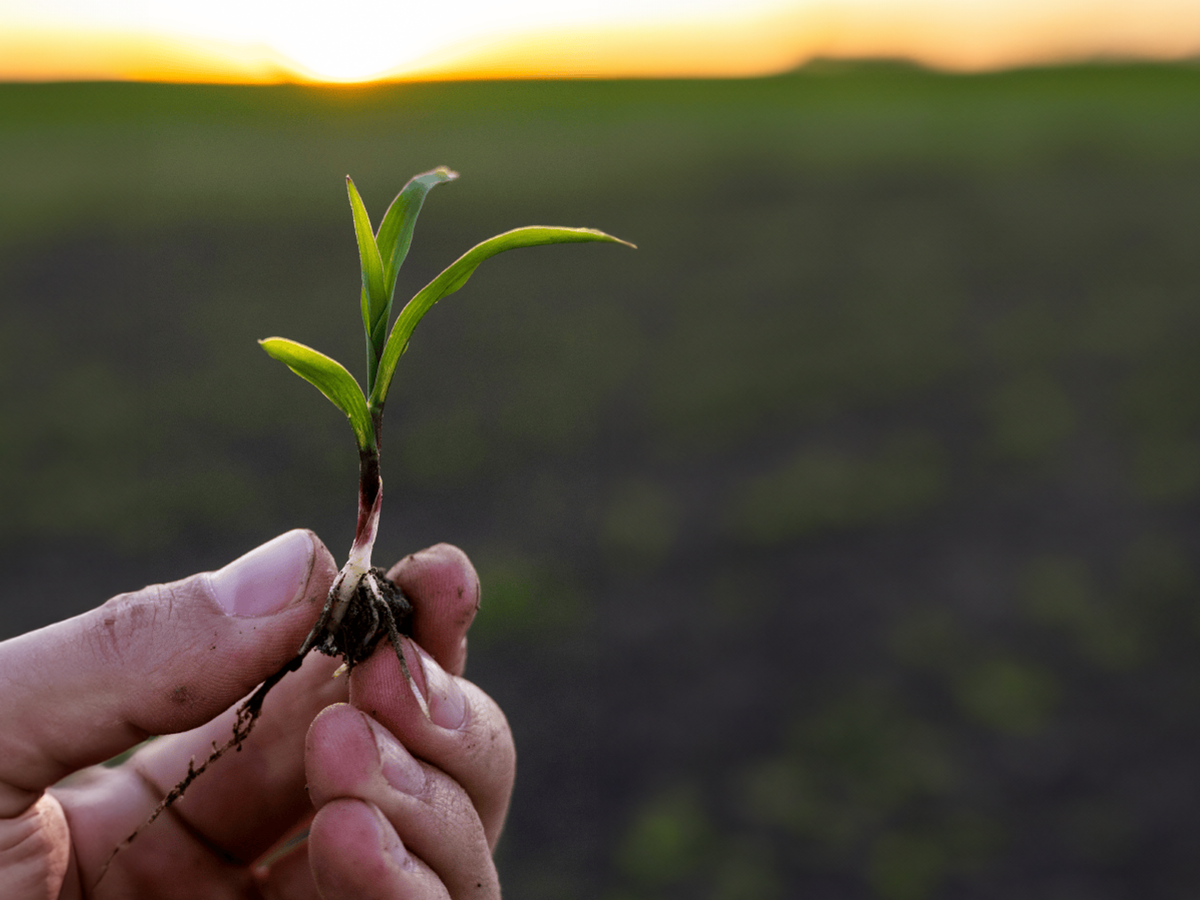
(465, 734)
(339, 753)
(326, 733)
(444, 588)
(355, 852)
(439, 567)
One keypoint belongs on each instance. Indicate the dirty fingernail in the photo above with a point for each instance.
(447, 702)
(400, 770)
(390, 843)
(266, 579)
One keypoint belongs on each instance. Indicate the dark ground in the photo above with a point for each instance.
(839, 543)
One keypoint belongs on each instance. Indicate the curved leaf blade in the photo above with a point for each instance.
(455, 276)
(396, 230)
(331, 379)
(374, 299)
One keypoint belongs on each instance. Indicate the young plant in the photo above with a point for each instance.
(363, 605)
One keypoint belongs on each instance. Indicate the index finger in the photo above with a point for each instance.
(448, 587)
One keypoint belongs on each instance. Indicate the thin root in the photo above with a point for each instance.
(393, 631)
(374, 602)
(247, 715)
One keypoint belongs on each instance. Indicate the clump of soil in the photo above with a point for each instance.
(378, 607)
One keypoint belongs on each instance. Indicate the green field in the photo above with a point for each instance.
(839, 542)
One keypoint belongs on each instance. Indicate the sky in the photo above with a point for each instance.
(357, 40)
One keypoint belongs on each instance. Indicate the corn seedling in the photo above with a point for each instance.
(363, 605)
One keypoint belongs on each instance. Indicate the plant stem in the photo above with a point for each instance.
(370, 501)
(370, 494)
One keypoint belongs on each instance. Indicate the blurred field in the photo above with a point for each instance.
(840, 542)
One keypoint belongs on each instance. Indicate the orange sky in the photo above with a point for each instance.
(351, 40)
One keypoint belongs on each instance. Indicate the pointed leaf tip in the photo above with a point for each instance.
(375, 296)
(393, 240)
(454, 277)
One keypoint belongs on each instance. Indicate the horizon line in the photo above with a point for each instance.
(746, 50)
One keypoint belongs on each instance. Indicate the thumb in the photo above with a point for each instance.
(161, 660)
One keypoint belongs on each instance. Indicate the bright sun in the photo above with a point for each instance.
(356, 40)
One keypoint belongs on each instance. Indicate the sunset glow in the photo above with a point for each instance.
(362, 40)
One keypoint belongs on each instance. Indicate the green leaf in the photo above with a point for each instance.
(396, 230)
(375, 301)
(393, 240)
(454, 277)
(331, 379)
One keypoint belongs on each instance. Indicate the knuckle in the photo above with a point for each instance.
(131, 622)
(122, 622)
(34, 850)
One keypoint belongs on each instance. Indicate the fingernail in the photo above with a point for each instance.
(447, 703)
(390, 842)
(266, 579)
(400, 770)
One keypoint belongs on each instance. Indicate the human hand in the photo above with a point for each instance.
(168, 659)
